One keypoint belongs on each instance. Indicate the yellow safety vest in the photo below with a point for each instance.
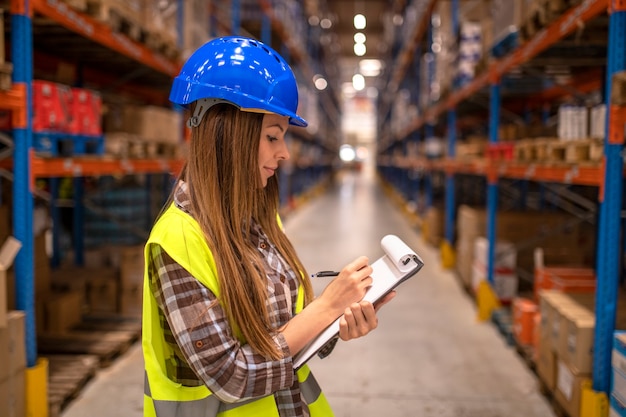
(180, 235)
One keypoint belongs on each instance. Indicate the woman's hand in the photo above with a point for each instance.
(360, 318)
(349, 287)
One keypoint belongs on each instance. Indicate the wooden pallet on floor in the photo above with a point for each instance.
(67, 376)
(106, 345)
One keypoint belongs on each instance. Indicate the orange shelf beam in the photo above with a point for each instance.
(565, 174)
(102, 34)
(86, 167)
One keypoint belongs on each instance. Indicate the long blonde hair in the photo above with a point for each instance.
(226, 193)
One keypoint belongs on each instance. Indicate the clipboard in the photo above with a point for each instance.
(398, 264)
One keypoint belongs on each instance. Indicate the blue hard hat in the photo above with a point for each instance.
(241, 71)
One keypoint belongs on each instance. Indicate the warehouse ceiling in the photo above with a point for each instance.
(341, 13)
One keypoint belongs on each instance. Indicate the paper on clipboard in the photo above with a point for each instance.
(398, 264)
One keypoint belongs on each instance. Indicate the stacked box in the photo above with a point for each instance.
(13, 369)
(197, 23)
(618, 381)
(149, 123)
(504, 277)
(566, 339)
(102, 290)
(59, 312)
(514, 227)
(433, 225)
(131, 280)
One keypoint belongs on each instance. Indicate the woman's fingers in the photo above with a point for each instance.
(358, 320)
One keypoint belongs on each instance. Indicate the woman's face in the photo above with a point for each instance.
(272, 147)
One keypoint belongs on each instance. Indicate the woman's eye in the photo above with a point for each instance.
(272, 138)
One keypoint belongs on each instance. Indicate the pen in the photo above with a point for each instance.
(325, 274)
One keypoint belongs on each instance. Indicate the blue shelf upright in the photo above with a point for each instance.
(22, 55)
(492, 180)
(608, 246)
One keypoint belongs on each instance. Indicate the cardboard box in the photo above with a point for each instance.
(569, 389)
(131, 301)
(8, 251)
(13, 395)
(578, 353)
(618, 407)
(102, 293)
(546, 366)
(62, 311)
(131, 263)
(17, 341)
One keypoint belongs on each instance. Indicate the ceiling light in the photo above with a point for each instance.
(326, 23)
(359, 37)
(359, 21)
(314, 20)
(320, 82)
(359, 49)
(347, 153)
(370, 67)
(358, 82)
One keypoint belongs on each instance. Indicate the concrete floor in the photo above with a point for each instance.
(429, 356)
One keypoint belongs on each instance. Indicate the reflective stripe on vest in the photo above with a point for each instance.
(180, 235)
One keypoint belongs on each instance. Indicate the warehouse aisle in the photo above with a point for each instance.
(429, 356)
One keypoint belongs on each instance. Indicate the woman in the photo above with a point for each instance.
(227, 302)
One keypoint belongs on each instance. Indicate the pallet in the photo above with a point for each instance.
(67, 376)
(65, 144)
(80, 5)
(106, 345)
(119, 16)
(125, 145)
(163, 44)
(551, 151)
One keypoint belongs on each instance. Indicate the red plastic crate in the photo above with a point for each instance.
(51, 106)
(85, 112)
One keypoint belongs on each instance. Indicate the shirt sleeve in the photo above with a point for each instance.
(229, 368)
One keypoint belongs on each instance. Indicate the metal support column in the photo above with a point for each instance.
(607, 267)
(22, 56)
(492, 180)
(55, 214)
(78, 222)
(450, 206)
(235, 12)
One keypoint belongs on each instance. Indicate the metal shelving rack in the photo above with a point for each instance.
(608, 176)
(25, 165)
(130, 54)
